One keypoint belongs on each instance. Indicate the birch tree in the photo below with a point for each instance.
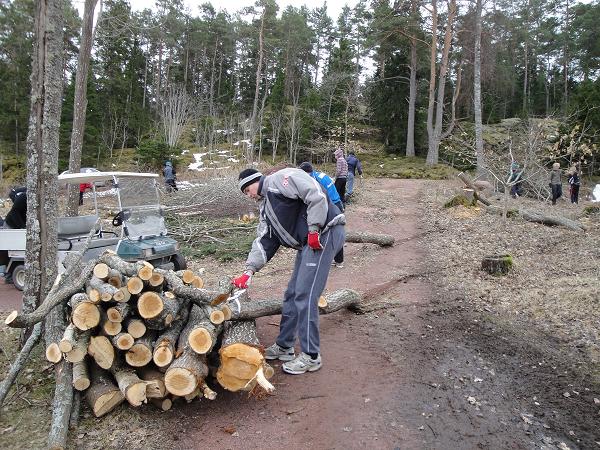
(477, 92)
(176, 110)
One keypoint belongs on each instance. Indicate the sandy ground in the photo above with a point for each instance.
(427, 367)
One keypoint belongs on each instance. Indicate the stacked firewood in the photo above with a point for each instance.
(142, 334)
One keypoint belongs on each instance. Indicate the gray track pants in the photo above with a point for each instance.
(300, 311)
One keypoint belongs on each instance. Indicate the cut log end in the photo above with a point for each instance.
(138, 355)
(136, 328)
(53, 353)
(200, 340)
(112, 328)
(187, 276)
(101, 271)
(85, 316)
(217, 316)
(11, 317)
(162, 403)
(180, 381)
(322, 302)
(163, 356)
(102, 350)
(123, 341)
(226, 310)
(197, 282)
(135, 285)
(150, 305)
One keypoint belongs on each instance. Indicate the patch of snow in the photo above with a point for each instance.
(596, 193)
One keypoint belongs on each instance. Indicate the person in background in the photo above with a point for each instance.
(354, 166)
(515, 180)
(17, 216)
(170, 176)
(574, 184)
(329, 186)
(82, 188)
(294, 213)
(341, 173)
(555, 182)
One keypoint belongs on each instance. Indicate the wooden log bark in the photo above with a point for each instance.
(135, 327)
(103, 395)
(244, 309)
(126, 294)
(203, 333)
(61, 405)
(360, 237)
(73, 281)
(164, 349)
(195, 295)
(81, 376)
(140, 353)
(164, 404)
(20, 361)
(111, 259)
(84, 313)
(107, 291)
(132, 387)
(536, 217)
(68, 340)
(155, 382)
(102, 351)
(241, 358)
(79, 348)
(186, 373)
(115, 278)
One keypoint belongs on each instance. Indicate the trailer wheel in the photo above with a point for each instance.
(18, 277)
(179, 262)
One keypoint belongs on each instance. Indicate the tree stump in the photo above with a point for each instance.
(497, 264)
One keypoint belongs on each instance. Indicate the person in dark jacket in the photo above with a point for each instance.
(354, 166)
(294, 213)
(17, 216)
(574, 184)
(329, 186)
(515, 180)
(170, 176)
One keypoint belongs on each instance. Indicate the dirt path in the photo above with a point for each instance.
(390, 378)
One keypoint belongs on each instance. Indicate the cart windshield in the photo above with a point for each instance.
(140, 204)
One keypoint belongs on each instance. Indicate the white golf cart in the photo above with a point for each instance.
(142, 236)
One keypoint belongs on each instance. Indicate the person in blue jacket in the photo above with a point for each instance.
(354, 166)
(329, 187)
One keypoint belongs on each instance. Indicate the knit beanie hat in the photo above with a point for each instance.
(247, 177)
(306, 166)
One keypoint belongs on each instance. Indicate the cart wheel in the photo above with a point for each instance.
(18, 277)
(179, 262)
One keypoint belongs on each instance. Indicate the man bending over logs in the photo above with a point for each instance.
(295, 213)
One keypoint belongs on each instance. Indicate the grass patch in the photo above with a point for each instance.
(460, 200)
(391, 166)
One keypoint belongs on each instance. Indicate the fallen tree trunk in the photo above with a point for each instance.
(360, 237)
(80, 348)
(536, 217)
(130, 384)
(72, 281)
(195, 295)
(85, 314)
(81, 377)
(244, 309)
(164, 348)
(186, 373)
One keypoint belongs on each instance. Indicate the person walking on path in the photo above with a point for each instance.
(555, 182)
(170, 176)
(341, 173)
(294, 213)
(574, 184)
(329, 186)
(354, 166)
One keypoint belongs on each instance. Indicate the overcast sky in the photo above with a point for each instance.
(334, 7)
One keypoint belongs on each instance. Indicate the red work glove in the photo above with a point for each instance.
(313, 240)
(242, 281)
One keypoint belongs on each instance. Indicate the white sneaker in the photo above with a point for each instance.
(339, 265)
(281, 353)
(303, 363)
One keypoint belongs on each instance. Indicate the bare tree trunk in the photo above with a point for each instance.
(80, 106)
(435, 137)
(565, 59)
(412, 96)
(42, 153)
(431, 158)
(477, 93)
(249, 156)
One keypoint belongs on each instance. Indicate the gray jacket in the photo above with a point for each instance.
(292, 204)
(555, 177)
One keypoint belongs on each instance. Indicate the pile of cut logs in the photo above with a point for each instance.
(145, 334)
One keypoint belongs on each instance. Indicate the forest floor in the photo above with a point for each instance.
(445, 356)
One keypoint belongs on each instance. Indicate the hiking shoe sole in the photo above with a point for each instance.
(300, 372)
